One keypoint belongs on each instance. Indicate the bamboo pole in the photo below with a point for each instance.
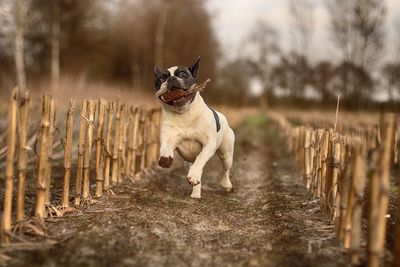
(344, 195)
(307, 158)
(99, 149)
(358, 183)
(157, 137)
(125, 142)
(348, 217)
(121, 145)
(335, 164)
(67, 154)
(50, 150)
(329, 171)
(324, 165)
(379, 194)
(81, 149)
(144, 137)
(150, 138)
(343, 167)
(318, 178)
(159, 118)
(129, 156)
(87, 155)
(396, 236)
(137, 141)
(117, 135)
(107, 145)
(301, 149)
(22, 149)
(9, 173)
(313, 159)
(42, 164)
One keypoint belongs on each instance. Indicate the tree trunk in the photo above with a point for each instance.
(55, 46)
(159, 38)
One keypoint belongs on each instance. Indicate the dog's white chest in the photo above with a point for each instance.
(189, 149)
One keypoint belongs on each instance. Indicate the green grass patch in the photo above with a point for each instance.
(296, 122)
(394, 189)
(256, 120)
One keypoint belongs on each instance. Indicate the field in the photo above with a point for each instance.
(155, 222)
(144, 215)
(310, 88)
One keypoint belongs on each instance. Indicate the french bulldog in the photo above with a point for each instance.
(191, 128)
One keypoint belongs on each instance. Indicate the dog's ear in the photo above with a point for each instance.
(193, 68)
(157, 71)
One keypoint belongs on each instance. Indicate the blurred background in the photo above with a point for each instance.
(299, 53)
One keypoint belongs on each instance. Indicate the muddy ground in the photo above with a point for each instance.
(269, 219)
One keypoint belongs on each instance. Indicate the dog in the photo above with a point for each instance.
(191, 128)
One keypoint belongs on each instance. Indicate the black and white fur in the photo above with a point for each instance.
(191, 128)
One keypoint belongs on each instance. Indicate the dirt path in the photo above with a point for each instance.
(269, 220)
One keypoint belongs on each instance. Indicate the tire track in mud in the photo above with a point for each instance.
(269, 220)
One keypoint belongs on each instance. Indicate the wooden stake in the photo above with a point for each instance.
(121, 145)
(335, 164)
(348, 218)
(318, 178)
(344, 195)
(158, 128)
(324, 165)
(313, 156)
(67, 154)
(307, 158)
(338, 200)
(81, 149)
(107, 145)
(99, 149)
(396, 236)
(23, 123)
(379, 194)
(136, 133)
(88, 149)
(144, 137)
(8, 187)
(42, 164)
(129, 156)
(50, 150)
(358, 183)
(150, 138)
(117, 135)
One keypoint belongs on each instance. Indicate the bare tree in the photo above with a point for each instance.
(301, 17)
(160, 34)
(265, 41)
(357, 30)
(55, 45)
(369, 19)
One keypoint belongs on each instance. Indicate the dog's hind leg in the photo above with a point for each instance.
(225, 153)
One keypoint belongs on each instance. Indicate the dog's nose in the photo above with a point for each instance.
(172, 82)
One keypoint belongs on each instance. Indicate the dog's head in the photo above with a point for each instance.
(175, 81)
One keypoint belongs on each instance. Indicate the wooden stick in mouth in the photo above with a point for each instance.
(197, 87)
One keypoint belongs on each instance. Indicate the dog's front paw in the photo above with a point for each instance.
(165, 162)
(193, 177)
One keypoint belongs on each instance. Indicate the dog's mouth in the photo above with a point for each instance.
(176, 97)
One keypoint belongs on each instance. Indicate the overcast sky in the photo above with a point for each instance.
(233, 19)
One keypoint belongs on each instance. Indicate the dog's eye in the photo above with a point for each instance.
(161, 80)
(182, 74)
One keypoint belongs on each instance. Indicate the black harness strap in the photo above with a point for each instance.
(216, 120)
